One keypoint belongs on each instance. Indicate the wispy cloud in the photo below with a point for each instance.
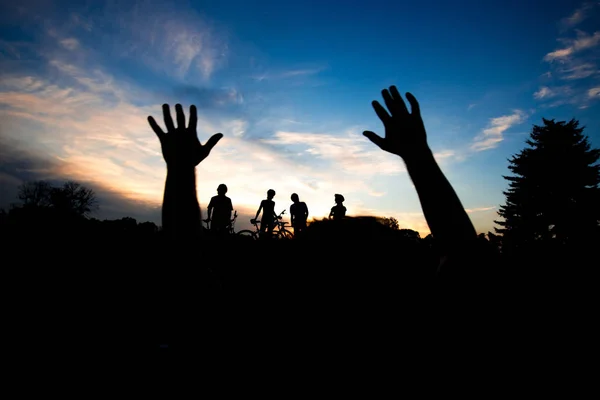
(594, 92)
(301, 72)
(289, 74)
(583, 41)
(70, 43)
(546, 92)
(579, 71)
(491, 136)
(172, 40)
(479, 209)
(576, 62)
(578, 15)
(348, 152)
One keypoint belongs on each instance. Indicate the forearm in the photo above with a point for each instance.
(445, 215)
(181, 211)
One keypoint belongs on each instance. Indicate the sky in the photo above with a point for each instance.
(290, 86)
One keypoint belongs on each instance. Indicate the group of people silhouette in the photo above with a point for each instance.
(220, 208)
(405, 136)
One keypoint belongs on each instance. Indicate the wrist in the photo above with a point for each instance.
(418, 156)
(180, 169)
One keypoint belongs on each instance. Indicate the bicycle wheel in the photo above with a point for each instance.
(284, 234)
(246, 233)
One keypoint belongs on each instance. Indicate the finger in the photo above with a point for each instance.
(398, 100)
(381, 112)
(157, 129)
(414, 104)
(389, 102)
(180, 116)
(193, 118)
(167, 117)
(375, 138)
(214, 139)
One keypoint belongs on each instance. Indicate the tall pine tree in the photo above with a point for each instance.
(553, 196)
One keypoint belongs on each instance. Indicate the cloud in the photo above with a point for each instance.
(70, 43)
(349, 152)
(579, 71)
(209, 97)
(546, 92)
(479, 209)
(584, 41)
(81, 21)
(594, 92)
(288, 74)
(576, 62)
(578, 15)
(491, 136)
(301, 72)
(172, 40)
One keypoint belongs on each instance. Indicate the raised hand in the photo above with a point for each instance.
(404, 131)
(180, 146)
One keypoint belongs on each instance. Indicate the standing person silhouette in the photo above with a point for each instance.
(338, 211)
(298, 214)
(267, 222)
(219, 211)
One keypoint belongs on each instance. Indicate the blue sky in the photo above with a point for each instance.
(289, 84)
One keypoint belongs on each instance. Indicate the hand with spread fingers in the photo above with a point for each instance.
(180, 145)
(446, 217)
(404, 131)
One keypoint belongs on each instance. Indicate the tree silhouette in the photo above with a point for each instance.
(391, 222)
(75, 198)
(70, 198)
(35, 194)
(553, 194)
(409, 234)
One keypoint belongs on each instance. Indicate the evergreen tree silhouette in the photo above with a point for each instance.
(553, 196)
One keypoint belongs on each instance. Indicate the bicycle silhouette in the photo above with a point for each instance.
(279, 230)
(230, 227)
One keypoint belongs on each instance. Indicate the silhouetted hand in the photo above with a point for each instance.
(180, 146)
(404, 131)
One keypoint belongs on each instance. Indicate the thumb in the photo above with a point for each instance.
(375, 138)
(214, 139)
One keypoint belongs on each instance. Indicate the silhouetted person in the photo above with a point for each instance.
(182, 151)
(219, 211)
(267, 223)
(405, 136)
(298, 214)
(338, 211)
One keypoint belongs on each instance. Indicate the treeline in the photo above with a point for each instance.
(50, 212)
